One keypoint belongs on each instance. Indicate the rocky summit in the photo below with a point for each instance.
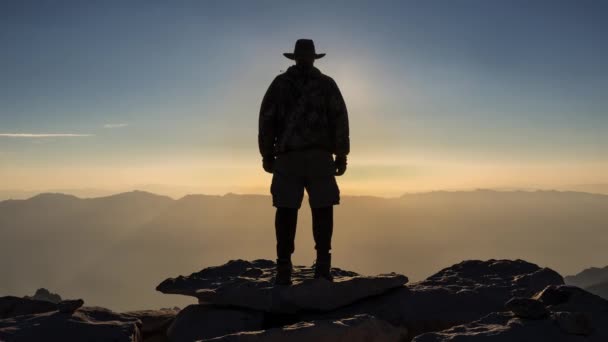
(570, 314)
(84, 324)
(472, 301)
(249, 284)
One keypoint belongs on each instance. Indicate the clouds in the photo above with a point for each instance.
(115, 125)
(59, 135)
(44, 135)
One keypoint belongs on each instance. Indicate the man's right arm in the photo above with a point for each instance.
(341, 133)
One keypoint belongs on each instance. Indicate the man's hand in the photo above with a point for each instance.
(340, 164)
(268, 163)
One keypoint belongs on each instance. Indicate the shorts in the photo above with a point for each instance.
(313, 170)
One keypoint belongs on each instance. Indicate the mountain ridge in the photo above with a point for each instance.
(142, 193)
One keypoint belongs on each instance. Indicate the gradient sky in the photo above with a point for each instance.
(441, 94)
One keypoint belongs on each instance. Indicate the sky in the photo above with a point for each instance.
(461, 94)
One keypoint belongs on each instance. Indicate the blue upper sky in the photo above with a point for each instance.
(146, 81)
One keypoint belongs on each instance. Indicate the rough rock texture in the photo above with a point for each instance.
(86, 324)
(494, 300)
(154, 322)
(250, 285)
(575, 315)
(511, 278)
(15, 306)
(455, 295)
(505, 327)
(499, 327)
(200, 321)
(360, 328)
(527, 308)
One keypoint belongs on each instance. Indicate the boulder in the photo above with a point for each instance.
(85, 324)
(528, 308)
(201, 321)
(455, 295)
(571, 298)
(246, 284)
(574, 315)
(359, 328)
(15, 306)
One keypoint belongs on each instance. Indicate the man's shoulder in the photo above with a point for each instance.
(327, 79)
(281, 79)
(285, 79)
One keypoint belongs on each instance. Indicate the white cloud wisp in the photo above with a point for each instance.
(43, 135)
(115, 125)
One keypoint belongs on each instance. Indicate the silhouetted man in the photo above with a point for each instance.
(303, 123)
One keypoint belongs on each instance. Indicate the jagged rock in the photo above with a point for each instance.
(505, 327)
(69, 306)
(46, 295)
(527, 308)
(15, 306)
(360, 328)
(575, 310)
(576, 315)
(85, 324)
(250, 285)
(200, 321)
(499, 327)
(154, 322)
(518, 278)
(572, 299)
(455, 295)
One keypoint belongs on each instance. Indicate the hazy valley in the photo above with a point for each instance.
(113, 250)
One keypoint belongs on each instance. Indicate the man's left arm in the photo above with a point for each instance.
(267, 127)
(341, 129)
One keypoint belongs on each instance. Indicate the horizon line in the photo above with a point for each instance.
(258, 194)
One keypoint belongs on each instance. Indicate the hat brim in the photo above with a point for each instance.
(291, 55)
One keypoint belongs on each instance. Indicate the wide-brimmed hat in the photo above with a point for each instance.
(304, 47)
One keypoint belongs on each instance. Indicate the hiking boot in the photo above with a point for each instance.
(323, 267)
(283, 276)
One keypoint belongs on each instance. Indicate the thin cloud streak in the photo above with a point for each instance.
(115, 125)
(43, 135)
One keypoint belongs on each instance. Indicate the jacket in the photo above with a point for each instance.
(303, 109)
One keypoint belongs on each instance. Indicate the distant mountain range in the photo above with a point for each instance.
(594, 280)
(588, 277)
(108, 250)
(180, 191)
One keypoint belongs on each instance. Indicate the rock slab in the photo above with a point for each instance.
(456, 295)
(249, 284)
